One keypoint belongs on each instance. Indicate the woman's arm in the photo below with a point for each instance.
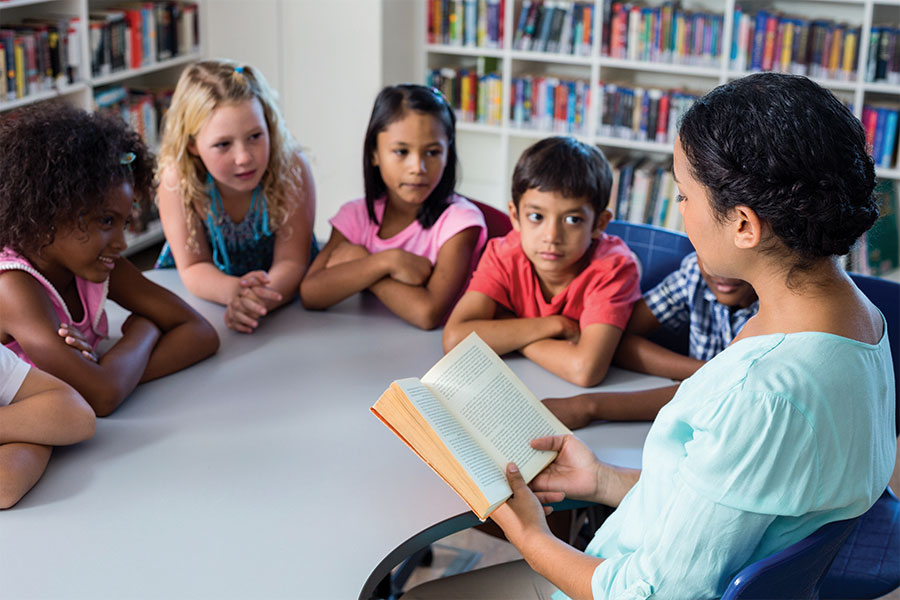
(185, 337)
(30, 318)
(426, 306)
(477, 312)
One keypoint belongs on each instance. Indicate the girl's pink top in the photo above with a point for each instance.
(352, 220)
(94, 326)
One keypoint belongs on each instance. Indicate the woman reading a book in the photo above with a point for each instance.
(790, 427)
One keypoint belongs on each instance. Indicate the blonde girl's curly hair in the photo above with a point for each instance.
(202, 88)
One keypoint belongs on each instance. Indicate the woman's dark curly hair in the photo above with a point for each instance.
(57, 165)
(391, 105)
(787, 148)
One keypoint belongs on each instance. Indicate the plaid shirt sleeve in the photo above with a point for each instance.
(670, 300)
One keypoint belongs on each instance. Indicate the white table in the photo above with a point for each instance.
(259, 473)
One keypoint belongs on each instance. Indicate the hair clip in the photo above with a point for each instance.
(127, 158)
(239, 70)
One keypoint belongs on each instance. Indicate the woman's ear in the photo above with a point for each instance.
(747, 227)
(192, 147)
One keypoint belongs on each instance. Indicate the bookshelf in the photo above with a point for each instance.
(86, 84)
(489, 150)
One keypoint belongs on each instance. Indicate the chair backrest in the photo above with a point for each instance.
(659, 250)
(794, 573)
(886, 296)
(497, 221)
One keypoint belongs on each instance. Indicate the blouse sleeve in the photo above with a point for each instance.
(693, 537)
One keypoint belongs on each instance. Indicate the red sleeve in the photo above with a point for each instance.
(611, 292)
(491, 277)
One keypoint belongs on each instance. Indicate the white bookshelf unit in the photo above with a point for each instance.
(489, 152)
(81, 91)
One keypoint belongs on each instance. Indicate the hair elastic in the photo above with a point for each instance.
(127, 158)
(239, 70)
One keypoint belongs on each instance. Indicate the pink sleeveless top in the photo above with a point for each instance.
(93, 326)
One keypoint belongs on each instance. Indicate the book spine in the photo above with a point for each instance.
(884, 54)
(520, 28)
(878, 138)
(890, 138)
(872, 59)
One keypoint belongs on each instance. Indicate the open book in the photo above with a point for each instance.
(468, 417)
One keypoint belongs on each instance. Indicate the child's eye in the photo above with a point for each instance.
(535, 217)
(256, 136)
(221, 145)
(679, 198)
(106, 221)
(573, 220)
(401, 152)
(434, 153)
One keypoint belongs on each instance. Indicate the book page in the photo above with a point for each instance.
(494, 405)
(478, 464)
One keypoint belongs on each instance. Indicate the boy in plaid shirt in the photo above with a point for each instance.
(713, 309)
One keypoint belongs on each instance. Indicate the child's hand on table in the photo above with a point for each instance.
(248, 305)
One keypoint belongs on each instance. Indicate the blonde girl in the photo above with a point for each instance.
(236, 196)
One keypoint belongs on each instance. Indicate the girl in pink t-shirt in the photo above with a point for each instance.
(411, 241)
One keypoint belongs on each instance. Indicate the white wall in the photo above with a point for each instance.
(327, 59)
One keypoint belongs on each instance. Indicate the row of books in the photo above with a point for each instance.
(880, 123)
(141, 34)
(142, 109)
(643, 114)
(475, 95)
(770, 41)
(644, 191)
(565, 27)
(470, 23)
(664, 33)
(549, 104)
(38, 55)
(883, 60)
(878, 250)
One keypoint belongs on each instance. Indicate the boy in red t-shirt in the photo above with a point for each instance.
(556, 288)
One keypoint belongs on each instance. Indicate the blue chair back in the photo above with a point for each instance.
(659, 250)
(796, 572)
(886, 296)
(868, 564)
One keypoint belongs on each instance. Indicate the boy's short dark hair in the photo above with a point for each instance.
(565, 166)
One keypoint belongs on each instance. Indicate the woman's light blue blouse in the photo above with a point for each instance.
(770, 440)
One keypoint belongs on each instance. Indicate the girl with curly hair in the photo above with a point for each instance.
(236, 196)
(68, 182)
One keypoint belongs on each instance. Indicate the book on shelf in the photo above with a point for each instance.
(644, 191)
(642, 114)
(880, 123)
(549, 103)
(39, 54)
(466, 23)
(475, 92)
(883, 60)
(663, 33)
(556, 26)
(137, 34)
(467, 418)
(768, 40)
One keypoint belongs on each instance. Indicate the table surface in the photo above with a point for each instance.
(258, 473)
